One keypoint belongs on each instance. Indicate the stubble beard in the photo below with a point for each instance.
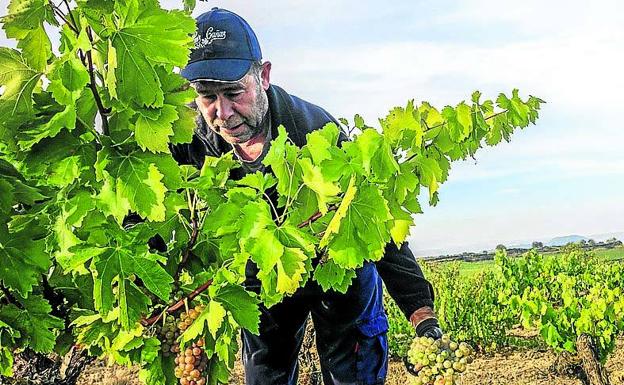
(253, 125)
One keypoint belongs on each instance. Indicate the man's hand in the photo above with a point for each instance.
(426, 324)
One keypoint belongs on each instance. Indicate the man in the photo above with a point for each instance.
(240, 110)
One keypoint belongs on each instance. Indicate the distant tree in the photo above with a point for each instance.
(501, 247)
(537, 245)
(591, 242)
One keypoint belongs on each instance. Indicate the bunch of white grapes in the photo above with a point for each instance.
(438, 362)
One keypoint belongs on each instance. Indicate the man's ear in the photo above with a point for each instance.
(265, 75)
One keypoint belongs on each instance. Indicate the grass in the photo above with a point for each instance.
(467, 269)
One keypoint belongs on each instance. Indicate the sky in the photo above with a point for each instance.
(563, 176)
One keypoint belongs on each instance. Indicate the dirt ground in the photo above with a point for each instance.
(516, 367)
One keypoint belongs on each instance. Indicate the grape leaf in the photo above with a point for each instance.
(34, 322)
(19, 80)
(430, 172)
(120, 263)
(154, 133)
(373, 152)
(24, 22)
(357, 240)
(334, 224)
(402, 127)
(242, 305)
(22, 260)
(137, 181)
(281, 157)
(331, 276)
(312, 177)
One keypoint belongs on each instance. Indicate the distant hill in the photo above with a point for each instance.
(561, 241)
(441, 250)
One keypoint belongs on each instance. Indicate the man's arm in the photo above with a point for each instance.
(408, 287)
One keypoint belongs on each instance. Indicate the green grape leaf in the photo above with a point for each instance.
(34, 322)
(7, 197)
(65, 172)
(242, 305)
(312, 177)
(64, 119)
(320, 142)
(24, 22)
(373, 152)
(357, 240)
(258, 181)
(145, 40)
(402, 126)
(18, 80)
(331, 276)
(458, 121)
(334, 224)
(216, 313)
(400, 225)
(153, 374)
(197, 327)
(281, 157)
(430, 173)
(189, 5)
(22, 260)
(6, 362)
(153, 133)
(184, 126)
(138, 181)
(119, 264)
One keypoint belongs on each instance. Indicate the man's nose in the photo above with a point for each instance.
(224, 108)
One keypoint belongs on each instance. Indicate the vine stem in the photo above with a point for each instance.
(60, 14)
(189, 247)
(443, 123)
(316, 216)
(176, 306)
(93, 86)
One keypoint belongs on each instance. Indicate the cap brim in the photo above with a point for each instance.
(218, 70)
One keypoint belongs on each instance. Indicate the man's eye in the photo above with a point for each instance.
(209, 96)
(234, 95)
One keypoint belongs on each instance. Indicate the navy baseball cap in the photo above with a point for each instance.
(225, 48)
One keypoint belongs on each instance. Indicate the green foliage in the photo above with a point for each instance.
(87, 182)
(565, 297)
(559, 297)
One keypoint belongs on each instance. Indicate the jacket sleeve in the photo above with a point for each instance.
(404, 279)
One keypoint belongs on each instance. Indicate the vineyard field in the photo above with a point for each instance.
(471, 268)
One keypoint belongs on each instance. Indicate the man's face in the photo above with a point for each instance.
(235, 110)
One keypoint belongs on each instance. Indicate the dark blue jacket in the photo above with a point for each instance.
(398, 268)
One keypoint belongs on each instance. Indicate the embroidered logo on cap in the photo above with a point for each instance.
(211, 35)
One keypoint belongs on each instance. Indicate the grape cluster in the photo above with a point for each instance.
(192, 361)
(191, 365)
(439, 362)
(187, 318)
(168, 333)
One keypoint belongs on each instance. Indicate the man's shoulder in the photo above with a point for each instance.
(296, 114)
